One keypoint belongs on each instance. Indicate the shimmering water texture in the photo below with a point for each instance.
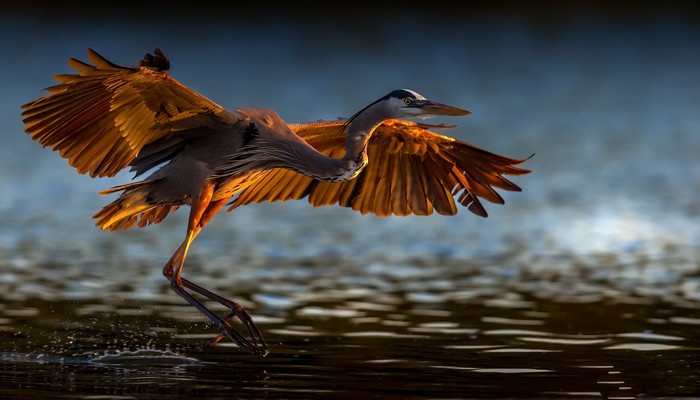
(586, 285)
(468, 343)
(408, 331)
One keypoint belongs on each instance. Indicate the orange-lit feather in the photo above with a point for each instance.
(127, 107)
(411, 170)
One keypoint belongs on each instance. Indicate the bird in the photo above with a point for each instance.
(105, 117)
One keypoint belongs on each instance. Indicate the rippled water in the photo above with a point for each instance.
(358, 341)
(585, 285)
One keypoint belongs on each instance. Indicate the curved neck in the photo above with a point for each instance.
(296, 154)
(359, 129)
(361, 126)
(319, 166)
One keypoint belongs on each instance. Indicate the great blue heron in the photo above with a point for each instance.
(108, 117)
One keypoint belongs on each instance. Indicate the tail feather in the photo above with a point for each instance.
(128, 186)
(133, 207)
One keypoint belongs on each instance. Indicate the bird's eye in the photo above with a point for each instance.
(407, 101)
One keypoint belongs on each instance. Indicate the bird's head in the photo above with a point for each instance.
(401, 103)
(405, 103)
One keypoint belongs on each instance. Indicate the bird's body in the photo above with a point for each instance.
(194, 160)
(109, 117)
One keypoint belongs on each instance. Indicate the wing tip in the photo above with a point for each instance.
(102, 63)
(157, 61)
(518, 170)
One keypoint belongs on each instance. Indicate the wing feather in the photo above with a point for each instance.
(382, 196)
(411, 170)
(399, 197)
(418, 196)
(323, 193)
(103, 116)
(275, 182)
(365, 193)
(440, 184)
(348, 191)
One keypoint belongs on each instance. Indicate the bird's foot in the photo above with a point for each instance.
(255, 345)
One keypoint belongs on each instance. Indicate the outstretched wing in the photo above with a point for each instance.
(411, 170)
(103, 116)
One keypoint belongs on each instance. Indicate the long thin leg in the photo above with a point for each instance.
(235, 309)
(200, 214)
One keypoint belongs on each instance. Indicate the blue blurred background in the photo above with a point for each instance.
(605, 94)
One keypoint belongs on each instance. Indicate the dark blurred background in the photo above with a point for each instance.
(605, 95)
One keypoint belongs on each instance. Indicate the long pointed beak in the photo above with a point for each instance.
(432, 108)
